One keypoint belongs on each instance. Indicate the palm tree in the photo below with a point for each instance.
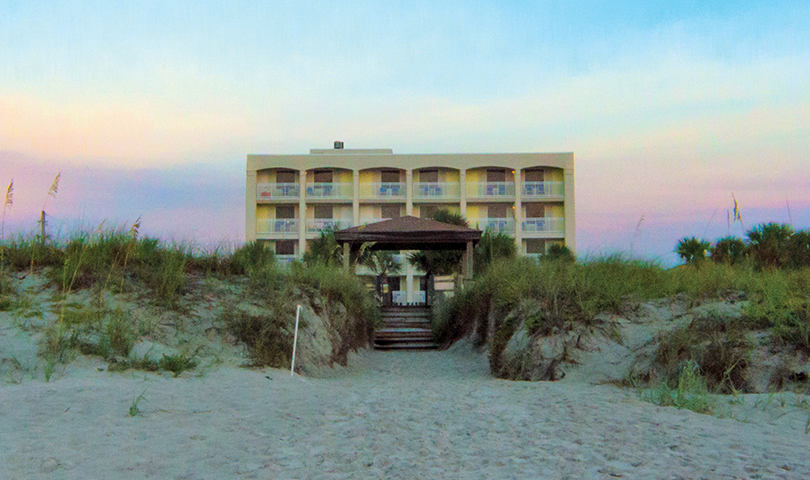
(692, 250)
(770, 243)
(383, 264)
(492, 246)
(324, 249)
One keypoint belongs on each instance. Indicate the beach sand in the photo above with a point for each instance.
(421, 414)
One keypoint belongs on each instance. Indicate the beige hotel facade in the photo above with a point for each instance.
(291, 198)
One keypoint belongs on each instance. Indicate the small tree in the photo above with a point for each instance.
(770, 244)
(799, 249)
(559, 252)
(730, 250)
(692, 250)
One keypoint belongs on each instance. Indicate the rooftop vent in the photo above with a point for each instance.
(338, 145)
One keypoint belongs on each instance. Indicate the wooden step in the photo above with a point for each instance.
(406, 346)
(404, 328)
(402, 334)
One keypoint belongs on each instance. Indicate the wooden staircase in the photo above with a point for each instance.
(404, 327)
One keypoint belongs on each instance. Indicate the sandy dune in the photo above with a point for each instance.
(388, 415)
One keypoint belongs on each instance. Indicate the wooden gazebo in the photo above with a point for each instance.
(411, 233)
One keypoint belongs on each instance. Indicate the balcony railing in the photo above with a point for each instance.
(318, 224)
(285, 260)
(435, 190)
(342, 190)
(544, 226)
(277, 227)
(276, 191)
(543, 189)
(366, 221)
(505, 225)
(384, 190)
(491, 189)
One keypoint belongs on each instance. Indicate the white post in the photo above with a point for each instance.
(295, 339)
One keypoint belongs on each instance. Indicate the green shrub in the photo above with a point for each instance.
(177, 364)
(251, 256)
(718, 346)
(690, 391)
(269, 338)
(770, 244)
(163, 270)
(729, 250)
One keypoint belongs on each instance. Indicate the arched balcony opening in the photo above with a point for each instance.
(436, 184)
(277, 184)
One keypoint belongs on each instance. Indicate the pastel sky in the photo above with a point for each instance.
(150, 108)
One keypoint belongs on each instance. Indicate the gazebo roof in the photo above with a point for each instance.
(410, 233)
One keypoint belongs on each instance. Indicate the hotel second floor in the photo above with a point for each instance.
(291, 198)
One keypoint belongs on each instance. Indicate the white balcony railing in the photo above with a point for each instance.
(505, 225)
(401, 297)
(342, 190)
(435, 190)
(491, 189)
(366, 221)
(285, 260)
(276, 191)
(383, 190)
(543, 189)
(277, 227)
(318, 224)
(545, 226)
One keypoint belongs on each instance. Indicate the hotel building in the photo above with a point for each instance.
(291, 198)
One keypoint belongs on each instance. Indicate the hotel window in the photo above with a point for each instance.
(536, 245)
(285, 211)
(535, 210)
(389, 176)
(390, 211)
(429, 175)
(285, 247)
(497, 211)
(323, 176)
(285, 176)
(535, 175)
(496, 175)
(323, 211)
(427, 211)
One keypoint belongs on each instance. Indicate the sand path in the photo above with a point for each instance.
(389, 415)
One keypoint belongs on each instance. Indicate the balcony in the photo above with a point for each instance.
(283, 228)
(435, 191)
(491, 190)
(330, 191)
(383, 191)
(541, 190)
(505, 225)
(543, 227)
(318, 224)
(277, 191)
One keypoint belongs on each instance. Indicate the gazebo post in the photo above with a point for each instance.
(347, 253)
(468, 261)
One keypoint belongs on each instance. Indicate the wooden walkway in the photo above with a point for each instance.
(404, 327)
